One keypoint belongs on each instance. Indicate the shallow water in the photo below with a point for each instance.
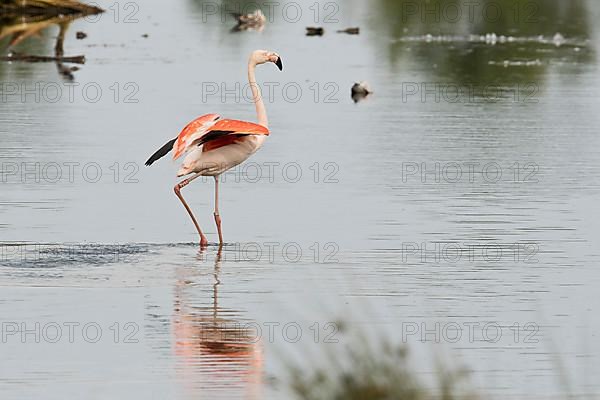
(455, 209)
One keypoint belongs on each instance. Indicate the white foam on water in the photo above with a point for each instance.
(493, 39)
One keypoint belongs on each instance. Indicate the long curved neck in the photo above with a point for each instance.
(261, 112)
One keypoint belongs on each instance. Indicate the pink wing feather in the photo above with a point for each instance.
(193, 131)
(199, 128)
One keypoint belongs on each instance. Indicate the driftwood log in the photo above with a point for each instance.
(10, 8)
(20, 19)
(33, 58)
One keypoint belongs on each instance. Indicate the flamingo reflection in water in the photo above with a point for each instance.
(213, 347)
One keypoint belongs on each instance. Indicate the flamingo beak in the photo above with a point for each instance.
(279, 64)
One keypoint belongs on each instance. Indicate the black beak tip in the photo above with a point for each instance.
(279, 64)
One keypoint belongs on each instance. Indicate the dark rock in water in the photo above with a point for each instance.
(145, 35)
(350, 31)
(359, 91)
(314, 31)
(81, 35)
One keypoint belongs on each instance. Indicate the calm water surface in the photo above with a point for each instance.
(463, 224)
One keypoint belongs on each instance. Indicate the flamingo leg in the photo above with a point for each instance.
(216, 214)
(177, 189)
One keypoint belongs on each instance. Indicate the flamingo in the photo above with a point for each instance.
(214, 145)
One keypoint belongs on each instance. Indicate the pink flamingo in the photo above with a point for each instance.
(216, 145)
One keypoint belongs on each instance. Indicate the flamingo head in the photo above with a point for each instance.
(263, 56)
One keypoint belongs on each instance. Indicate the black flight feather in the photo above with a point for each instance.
(160, 153)
(212, 135)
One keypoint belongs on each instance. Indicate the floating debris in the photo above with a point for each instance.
(361, 87)
(14, 56)
(350, 31)
(249, 22)
(517, 63)
(314, 31)
(80, 35)
(360, 90)
(145, 35)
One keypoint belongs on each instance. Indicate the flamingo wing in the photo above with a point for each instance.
(193, 131)
(209, 132)
(214, 133)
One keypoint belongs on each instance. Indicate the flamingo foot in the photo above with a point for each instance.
(177, 188)
(203, 241)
